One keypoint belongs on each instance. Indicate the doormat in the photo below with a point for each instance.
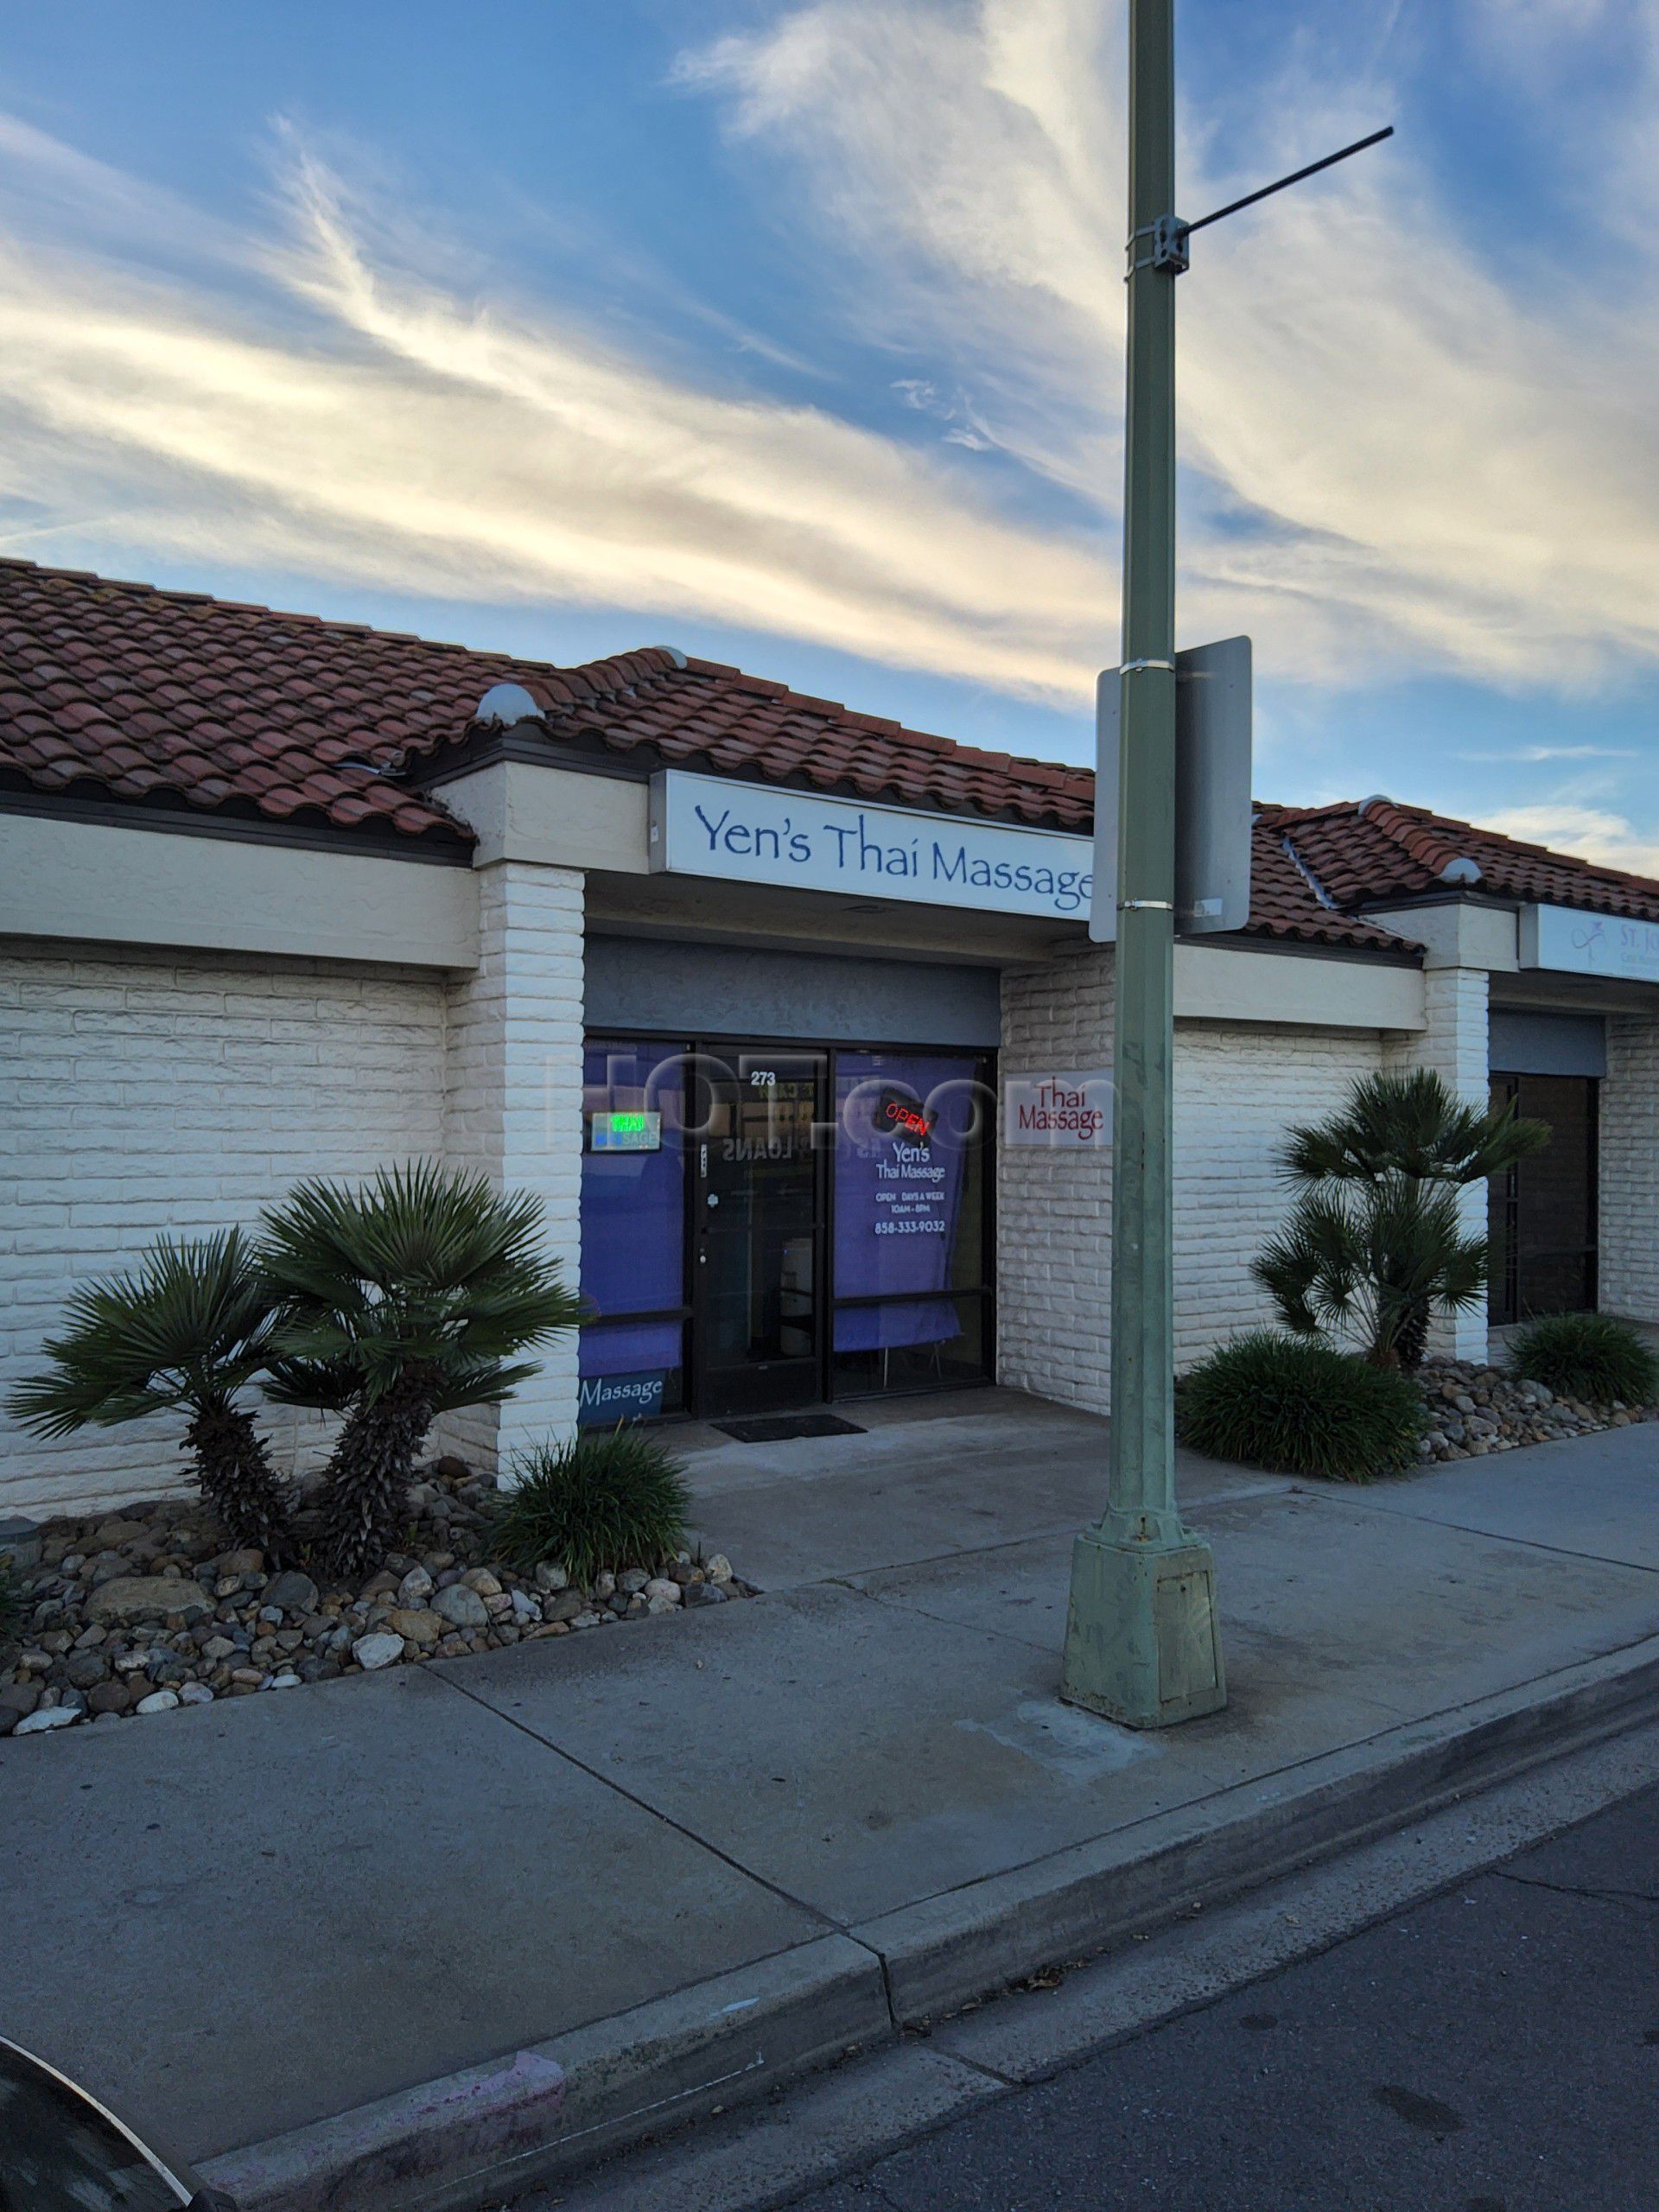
(779, 1428)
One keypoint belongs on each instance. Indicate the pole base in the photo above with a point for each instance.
(1142, 1643)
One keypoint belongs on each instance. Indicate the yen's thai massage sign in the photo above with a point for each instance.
(1070, 1112)
(745, 833)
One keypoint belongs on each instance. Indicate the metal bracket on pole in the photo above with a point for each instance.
(1168, 236)
(1133, 667)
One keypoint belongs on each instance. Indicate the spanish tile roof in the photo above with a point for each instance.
(121, 692)
(167, 696)
(1372, 852)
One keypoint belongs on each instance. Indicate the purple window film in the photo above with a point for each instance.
(634, 1208)
(899, 1194)
(628, 1347)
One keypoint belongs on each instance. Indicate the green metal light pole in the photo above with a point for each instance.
(1142, 1643)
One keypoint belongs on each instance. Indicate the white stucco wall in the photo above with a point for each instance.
(1629, 1183)
(143, 1091)
(1238, 1087)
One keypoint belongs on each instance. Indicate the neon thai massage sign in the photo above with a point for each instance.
(748, 833)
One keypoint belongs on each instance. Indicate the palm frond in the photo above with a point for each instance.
(190, 1326)
(422, 1272)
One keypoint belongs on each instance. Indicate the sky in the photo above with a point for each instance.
(791, 335)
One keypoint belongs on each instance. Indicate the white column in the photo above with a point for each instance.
(512, 1108)
(1628, 1177)
(1455, 1046)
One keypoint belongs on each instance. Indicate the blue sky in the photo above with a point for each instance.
(790, 334)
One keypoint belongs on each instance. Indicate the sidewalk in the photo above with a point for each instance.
(500, 1914)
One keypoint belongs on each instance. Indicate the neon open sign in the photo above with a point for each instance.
(631, 1131)
(902, 1116)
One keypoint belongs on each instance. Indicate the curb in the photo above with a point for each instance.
(476, 2137)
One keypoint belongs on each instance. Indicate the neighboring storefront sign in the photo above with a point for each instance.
(1066, 1112)
(745, 833)
(1589, 945)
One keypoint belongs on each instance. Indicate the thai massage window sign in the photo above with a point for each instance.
(909, 1129)
(745, 833)
(1565, 937)
(1066, 1112)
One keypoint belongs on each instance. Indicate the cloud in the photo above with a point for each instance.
(1530, 753)
(1593, 832)
(1398, 460)
(329, 405)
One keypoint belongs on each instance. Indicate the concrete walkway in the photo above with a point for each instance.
(565, 1883)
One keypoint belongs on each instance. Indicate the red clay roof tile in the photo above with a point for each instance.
(124, 690)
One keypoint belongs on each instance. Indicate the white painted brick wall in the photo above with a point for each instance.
(1238, 1088)
(1456, 1045)
(1628, 1185)
(142, 1093)
(513, 1108)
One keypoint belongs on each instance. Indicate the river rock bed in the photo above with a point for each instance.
(1474, 1410)
(143, 1610)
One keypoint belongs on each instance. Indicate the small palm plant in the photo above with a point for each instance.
(402, 1300)
(187, 1331)
(1377, 1243)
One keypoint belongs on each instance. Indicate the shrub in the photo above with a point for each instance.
(400, 1300)
(1587, 1356)
(1376, 1241)
(1293, 1405)
(186, 1331)
(610, 1500)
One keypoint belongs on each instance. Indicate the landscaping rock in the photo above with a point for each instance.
(417, 1624)
(1476, 1410)
(242, 1562)
(292, 1593)
(136, 1612)
(46, 1716)
(130, 1599)
(461, 1607)
(719, 1568)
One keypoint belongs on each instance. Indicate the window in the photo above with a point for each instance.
(911, 1268)
(631, 1356)
(1542, 1216)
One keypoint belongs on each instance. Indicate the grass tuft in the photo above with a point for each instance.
(1298, 1408)
(613, 1499)
(1590, 1356)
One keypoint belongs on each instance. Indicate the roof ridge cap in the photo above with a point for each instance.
(1418, 839)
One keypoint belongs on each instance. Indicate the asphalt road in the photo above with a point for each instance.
(1494, 2049)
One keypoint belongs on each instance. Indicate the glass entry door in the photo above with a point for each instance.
(758, 1230)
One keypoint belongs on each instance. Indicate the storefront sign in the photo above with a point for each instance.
(1589, 945)
(1065, 1112)
(607, 1399)
(744, 833)
(898, 1194)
